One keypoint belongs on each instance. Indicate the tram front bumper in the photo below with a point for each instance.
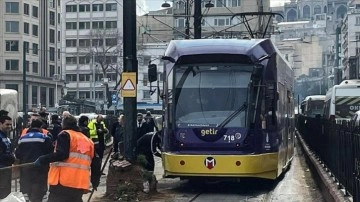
(260, 166)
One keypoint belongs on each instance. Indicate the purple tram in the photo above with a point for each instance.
(228, 109)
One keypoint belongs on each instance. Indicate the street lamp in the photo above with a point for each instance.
(56, 78)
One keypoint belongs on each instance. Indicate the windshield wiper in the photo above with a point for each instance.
(233, 115)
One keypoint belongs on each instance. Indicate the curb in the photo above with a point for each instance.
(329, 189)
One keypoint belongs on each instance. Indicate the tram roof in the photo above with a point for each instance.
(253, 48)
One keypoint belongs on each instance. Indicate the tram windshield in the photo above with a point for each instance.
(205, 95)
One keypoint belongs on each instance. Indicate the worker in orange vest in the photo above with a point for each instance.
(69, 175)
(33, 117)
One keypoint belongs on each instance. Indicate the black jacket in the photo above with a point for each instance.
(54, 128)
(62, 153)
(85, 130)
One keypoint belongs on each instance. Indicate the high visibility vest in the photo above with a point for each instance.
(74, 172)
(24, 131)
(93, 133)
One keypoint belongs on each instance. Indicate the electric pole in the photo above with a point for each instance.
(130, 66)
(24, 88)
(187, 23)
(337, 72)
(197, 19)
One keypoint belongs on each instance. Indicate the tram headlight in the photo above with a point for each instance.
(238, 136)
(182, 135)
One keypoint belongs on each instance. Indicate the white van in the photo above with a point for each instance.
(343, 100)
(313, 105)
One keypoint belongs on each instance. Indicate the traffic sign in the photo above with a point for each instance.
(128, 84)
(114, 98)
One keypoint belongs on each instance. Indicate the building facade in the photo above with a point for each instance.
(35, 26)
(92, 41)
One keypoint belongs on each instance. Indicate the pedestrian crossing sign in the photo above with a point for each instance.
(128, 84)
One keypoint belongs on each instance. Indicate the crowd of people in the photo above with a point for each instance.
(66, 153)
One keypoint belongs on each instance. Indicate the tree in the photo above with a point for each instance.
(105, 51)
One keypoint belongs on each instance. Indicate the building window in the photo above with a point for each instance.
(59, 70)
(27, 46)
(12, 65)
(59, 18)
(97, 24)
(146, 94)
(59, 36)
(12, 26)
(97, 7)
(220, 3)
(111, 7)
(84, 60)
(52, 54)
(98, 42)
(84, 94)
(52, 3)
(71, 43)
(235, 3)
(71, 60)
(35, 48)
(84, 43)
(35, 30)
(110, 24)
(26, 28)
(84, 77)
(34, 95)
(26, 9)
(35, 11)
(71, 77)
(12, 7)
(12, 45)
(357, 36)
(222, 22)
(27, 66)
(52, 36)
(43, 96)
(180, 22)
(52, 18)
(145, 79)
(71, 8)
(84, 25)
(111, 42)
(71, 25)
(52, 70)
(84, 8)
(12, 86)
(51, 96)
(35, 67)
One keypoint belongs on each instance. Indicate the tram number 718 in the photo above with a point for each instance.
(229, 138)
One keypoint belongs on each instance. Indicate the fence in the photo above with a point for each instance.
(338, 147)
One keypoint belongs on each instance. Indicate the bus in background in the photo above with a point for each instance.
(228, 109)
(313, 105)
(342, 101)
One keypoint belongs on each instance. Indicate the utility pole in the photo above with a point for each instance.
(260, 9)
(197, 19)
(187, 23)
(130, 65)
(24, 88)
(337, 72)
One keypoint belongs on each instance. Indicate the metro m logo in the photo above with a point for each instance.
(210, 162)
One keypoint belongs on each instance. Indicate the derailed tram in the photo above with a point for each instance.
(228, 109)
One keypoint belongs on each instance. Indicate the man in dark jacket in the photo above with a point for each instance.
(83, 125)
(6, 157)
(33, 180)
(54, 127)
(147, 145)
(60, 192)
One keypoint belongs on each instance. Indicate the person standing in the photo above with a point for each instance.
(33, 117)
(117, 132)
(7, 157)
(70, 164)
(83, 125)
(54, 127)
(150, 121)
(98, 131)
(33, 180)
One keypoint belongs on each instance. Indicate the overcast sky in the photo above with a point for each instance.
(153, 5)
